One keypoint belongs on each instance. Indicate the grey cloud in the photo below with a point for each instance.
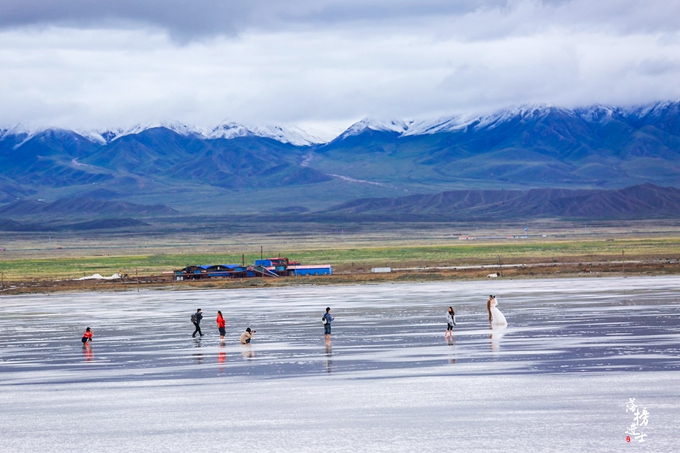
(325, 62)
(658, 66)
(199, 18)
(214, 17)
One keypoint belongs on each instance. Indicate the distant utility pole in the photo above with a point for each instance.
(500, 265)
(623, 259)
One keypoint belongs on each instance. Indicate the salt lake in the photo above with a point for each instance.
(557, 378)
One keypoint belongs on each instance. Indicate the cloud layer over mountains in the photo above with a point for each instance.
(325, 64)
(473, 18)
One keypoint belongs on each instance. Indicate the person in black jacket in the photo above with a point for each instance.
(196, 319)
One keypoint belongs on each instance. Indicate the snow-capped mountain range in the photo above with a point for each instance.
(528, 146)
(227, 130)
(453, 123)
(413, 127)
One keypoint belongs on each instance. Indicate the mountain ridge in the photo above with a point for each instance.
(405, 127)
(645, 200)
(82, 207)
(526, 147)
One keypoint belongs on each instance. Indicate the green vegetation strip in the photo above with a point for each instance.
(357, 258)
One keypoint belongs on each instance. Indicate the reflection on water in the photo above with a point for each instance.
(247, 351)
(198, 355)
(452, 353)
(87, 352)
(328, 363)
(497, 332)
(221, 358)
(557, 326)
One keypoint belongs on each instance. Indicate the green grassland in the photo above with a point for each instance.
(357, 258)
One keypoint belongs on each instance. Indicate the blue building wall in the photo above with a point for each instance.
(313, 271)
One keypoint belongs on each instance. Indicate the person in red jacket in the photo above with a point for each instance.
(87, 336)
(221, 325)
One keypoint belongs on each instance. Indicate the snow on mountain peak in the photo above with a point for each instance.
(524, 112)
(298, 137)
(18, 129)
(109, 135)
(357, 128)
(293, 135)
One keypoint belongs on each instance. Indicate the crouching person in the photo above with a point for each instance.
(247, 335)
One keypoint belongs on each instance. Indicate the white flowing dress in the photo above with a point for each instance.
(496, 316)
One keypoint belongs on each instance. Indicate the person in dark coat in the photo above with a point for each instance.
(196, 319)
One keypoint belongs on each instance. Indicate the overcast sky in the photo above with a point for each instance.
(324, 64)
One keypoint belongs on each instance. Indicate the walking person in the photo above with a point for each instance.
(221, 326)
(87, 337)
(196, 319)
(326, 320)
(450, 322)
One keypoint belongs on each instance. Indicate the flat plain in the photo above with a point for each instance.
(39, 262)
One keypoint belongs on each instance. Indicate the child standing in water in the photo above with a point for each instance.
(450, 322)
(87, 336)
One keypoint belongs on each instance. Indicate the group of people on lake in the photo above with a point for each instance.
(247, 334)
(496, 318)
(196, 318)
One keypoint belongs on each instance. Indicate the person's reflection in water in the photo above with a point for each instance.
(495, 336)
(221, 358)
(198, 355)
(87, 352)
(452, 350)
(247, 351)
(328, 363)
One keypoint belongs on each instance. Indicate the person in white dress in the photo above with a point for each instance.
(496, 318)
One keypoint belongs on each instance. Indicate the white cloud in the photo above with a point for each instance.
(331, 63)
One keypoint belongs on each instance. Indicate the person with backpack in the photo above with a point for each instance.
(326, 319)
(221, 326)
(196, 319)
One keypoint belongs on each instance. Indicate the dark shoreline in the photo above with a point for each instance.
(561, 269)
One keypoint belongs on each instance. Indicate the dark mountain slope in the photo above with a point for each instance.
(10, 192)
(75, 207)
(534, 146)
(639, 201)
(105, 224)
(9, 225)
(49, 158)
(595, 147)
(56, 158)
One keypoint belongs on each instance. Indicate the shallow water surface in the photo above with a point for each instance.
(555, 326)
(557, 378)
